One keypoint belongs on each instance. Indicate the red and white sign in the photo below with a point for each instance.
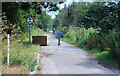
(30, 20)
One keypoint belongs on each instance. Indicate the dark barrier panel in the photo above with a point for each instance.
(41, 40)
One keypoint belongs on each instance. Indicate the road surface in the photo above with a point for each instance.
(68, 59)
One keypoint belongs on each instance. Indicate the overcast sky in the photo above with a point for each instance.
(52, 14)
(69, 2)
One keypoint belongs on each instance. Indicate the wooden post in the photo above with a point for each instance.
(8, 37)
(83, 32)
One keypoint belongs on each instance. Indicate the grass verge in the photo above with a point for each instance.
(101, 56)
(22, 55)
(104, 57)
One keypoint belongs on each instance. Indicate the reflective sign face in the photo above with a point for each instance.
(30, 20)
(59, 33)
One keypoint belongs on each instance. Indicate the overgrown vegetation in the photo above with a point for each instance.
(14, 15)
(101, 28)
(107, 50)
(21, 53)
(104, 57)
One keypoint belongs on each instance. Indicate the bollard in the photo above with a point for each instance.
(59, 41)
(59, 34)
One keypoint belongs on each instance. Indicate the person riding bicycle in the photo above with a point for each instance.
(53, 30)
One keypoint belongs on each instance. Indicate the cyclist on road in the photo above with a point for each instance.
(53, 30)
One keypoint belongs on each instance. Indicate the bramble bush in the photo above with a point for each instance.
(90, 42)
(92, 39)
(95, 41)
(71, 36)
(112, 41)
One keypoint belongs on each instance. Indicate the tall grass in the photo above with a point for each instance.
(108, 45)
(21, 53)
(104, 57)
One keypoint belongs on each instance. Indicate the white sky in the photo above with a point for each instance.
(52, 14)
(68, 2)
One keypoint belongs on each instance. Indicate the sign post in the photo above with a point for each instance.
(29, 33)
(59, 34)
(83, 30)
(29, 20)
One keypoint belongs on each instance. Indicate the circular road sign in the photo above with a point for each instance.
(30, 20)
(59, 33)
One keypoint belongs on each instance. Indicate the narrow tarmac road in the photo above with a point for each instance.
(68, 59)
